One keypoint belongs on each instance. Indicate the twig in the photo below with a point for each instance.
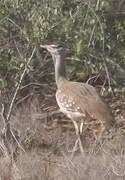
(3, 115)
(90, 79)
(102, 88)
(85, 19)
(19, 145)
(24, 98)
(107, 73)
(5, 118)
(18, 87)
(92, 33)
(33, 84)
(13, 23)
(7, 130)
(3, 149)
(18, 50)
(101, 27)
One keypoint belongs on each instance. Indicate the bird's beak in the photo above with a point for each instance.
(44, 46)
(47, 47)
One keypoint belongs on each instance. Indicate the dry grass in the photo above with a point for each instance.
(32, 165)
(47, 143)
(5, 168)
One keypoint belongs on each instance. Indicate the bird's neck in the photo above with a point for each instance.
(60, 74)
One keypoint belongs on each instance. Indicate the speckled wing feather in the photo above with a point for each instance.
(86, 100)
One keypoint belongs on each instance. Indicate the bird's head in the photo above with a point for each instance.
(54, 49)
(57, 50)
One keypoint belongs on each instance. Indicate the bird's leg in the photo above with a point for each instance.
(76, 127)
(102, 131)
(78, 133)
(81, 126)
(75, 148)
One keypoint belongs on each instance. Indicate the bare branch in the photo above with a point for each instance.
(101, 26)
(7, 133)
(18, 87)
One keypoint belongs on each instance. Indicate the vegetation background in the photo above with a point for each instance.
(38, 143)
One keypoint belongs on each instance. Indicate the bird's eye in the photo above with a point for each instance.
(59, 46)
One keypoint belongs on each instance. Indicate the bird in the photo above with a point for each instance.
(77, 100)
